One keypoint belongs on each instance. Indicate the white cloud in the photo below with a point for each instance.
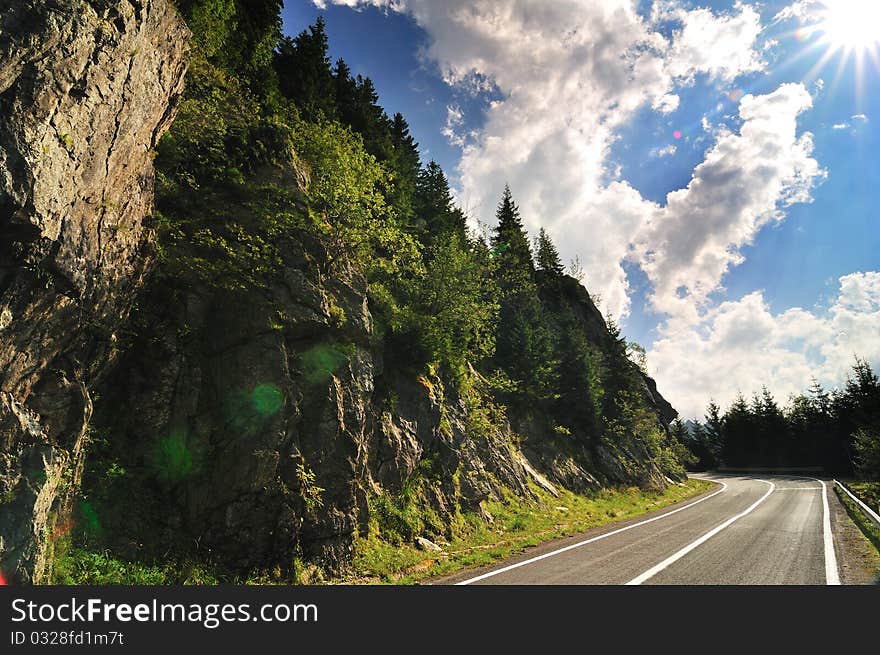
(666, 104)
(454, 120)
(862, 118)
(840, 126)
(714, 44)
(800, 10)
(745, 180)
(741, 345)
(666, 151)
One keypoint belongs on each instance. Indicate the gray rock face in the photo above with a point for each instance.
(86, 90)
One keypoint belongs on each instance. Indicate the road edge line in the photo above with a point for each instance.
(654, 570)
(832, 575)
(589, 541)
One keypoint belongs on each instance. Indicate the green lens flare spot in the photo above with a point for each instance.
(267, 399)
(90, 518)
(172, 457)
(320, 362)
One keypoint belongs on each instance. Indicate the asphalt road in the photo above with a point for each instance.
(750, 530)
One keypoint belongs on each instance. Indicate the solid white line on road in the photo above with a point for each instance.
(832, 577)
(589, 541)
(650, 573)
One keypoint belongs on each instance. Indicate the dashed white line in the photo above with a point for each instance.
(654, 570)
(589, 541)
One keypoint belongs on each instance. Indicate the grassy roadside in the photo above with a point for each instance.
(515, 525)
(868, 528)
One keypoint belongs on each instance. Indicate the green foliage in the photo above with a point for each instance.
(867, 452)
(548, 256)
(449, 310)
(345, 202)
(398, 518)
(435, 210)
(310, 492)
(78, 566)
(237, 35)
(510, 245)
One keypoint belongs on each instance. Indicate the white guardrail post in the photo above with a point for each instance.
(867, 510)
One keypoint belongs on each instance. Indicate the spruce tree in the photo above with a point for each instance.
(548, 256)
(510, 245)
(434, 207)
(405, 166)
(304, 75)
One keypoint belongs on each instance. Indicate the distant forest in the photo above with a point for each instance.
(837, 430)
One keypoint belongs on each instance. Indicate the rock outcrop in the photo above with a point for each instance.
(86, 90)
(266, 420)
(260, 431)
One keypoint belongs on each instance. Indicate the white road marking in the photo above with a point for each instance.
(832, 577)
(778, 489)
(654, 570)
(589, 541)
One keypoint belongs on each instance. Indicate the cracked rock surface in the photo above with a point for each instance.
(87, 87)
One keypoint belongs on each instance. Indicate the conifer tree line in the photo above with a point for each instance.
(838, 430)
(444, 299)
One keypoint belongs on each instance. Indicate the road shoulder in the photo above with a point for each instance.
(563, 542)
(857, 560)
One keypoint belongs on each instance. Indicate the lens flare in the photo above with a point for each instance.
(677, 134)
(172, 458)
(267, 399)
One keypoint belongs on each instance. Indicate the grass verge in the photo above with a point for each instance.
(516, 524)
(865, 524)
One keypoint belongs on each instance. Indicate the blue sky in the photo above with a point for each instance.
(761, 267)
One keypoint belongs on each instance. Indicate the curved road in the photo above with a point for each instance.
(751, 530)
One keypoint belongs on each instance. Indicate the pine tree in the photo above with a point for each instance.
(345, 92)
(510, 245)
(304, 75)
(548, 256)
(405, 166)
(435, 210)
(713, 433)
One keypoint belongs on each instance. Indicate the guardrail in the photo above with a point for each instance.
(870, 513)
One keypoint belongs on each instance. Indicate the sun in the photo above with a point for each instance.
(850, 25)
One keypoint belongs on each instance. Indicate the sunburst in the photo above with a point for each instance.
(846, 30)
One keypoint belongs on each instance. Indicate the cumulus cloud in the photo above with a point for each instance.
(742, 344)
(714, 44)
(744, 182)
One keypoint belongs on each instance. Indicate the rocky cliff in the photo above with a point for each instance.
(266, 425)
(86, 90)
